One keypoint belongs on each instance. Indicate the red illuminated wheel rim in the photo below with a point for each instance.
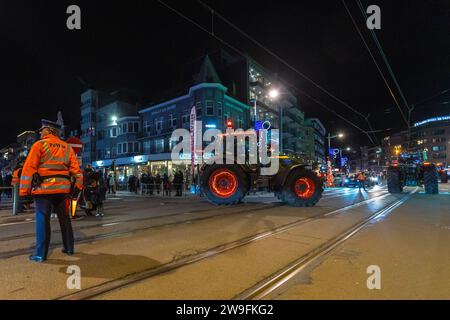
(223, 183)
(304, 188)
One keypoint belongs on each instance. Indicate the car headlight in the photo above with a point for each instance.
(346, 180)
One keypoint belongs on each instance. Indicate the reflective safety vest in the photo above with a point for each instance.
(56, 163)
(16, 176)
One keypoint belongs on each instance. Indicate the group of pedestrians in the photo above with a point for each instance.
(152, 184)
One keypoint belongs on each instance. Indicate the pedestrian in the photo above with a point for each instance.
(166, 184)
(151, 184)
(178, 182)
(361, 180)
(46, 175)
(108, 185)
(112, 183)
(16, 181)
(8, 181)
(158, 183)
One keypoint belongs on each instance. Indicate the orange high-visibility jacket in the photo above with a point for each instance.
(16, 176)
(361, 177)
(56, 162)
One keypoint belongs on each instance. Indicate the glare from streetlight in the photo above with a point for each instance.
(273, 93)
(348, 149)
(114, 118)
(340, 135)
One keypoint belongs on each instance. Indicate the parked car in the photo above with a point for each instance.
(351, 181)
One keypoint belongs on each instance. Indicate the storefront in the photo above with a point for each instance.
(137, 165)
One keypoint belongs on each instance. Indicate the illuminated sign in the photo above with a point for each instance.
(138, 159)
(210, 126)
(444, 118)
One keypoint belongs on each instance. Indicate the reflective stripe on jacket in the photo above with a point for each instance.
(56, 162)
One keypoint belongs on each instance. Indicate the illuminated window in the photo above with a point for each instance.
(159, 145)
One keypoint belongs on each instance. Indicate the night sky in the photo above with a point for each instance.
(142, 45)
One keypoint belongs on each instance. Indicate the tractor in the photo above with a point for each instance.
(295, 183)
(410, 169)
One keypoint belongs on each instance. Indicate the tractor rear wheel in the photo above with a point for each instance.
(430, 179)
(302, 188)
(393, 180)
(224, 184)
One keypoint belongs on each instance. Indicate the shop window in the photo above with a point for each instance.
(209, 108)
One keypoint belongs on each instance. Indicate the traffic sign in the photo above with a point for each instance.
(76, 144)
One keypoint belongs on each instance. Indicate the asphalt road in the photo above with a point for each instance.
(186, 248)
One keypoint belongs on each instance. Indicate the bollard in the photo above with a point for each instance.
(15, 199)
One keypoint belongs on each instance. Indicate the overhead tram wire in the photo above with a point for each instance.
(241, 53)
(383, 55)
(282, 60)
(376, 64)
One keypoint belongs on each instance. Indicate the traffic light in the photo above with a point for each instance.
(229, 123)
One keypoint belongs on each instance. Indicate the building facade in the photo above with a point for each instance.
(430, 137)
(315, 140)
(137, 139)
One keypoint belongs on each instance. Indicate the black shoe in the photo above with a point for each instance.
(36, 258)
(68, 252)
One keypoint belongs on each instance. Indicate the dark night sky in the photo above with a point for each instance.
(142, 45)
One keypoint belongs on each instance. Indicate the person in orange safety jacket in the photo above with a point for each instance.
(16, 181)
(46, 175)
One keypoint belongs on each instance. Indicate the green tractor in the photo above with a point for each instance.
(410, 169)
(295, 183)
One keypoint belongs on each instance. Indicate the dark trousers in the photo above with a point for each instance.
(361, 184)
(44, 205)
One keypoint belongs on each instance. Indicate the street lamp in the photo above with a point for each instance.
(274, 94)
(339, 135)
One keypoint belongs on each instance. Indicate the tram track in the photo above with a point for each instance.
(115, 222)
(101, 289)
(120, 233)
(268, 286)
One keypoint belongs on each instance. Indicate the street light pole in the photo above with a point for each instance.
(281, 129)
